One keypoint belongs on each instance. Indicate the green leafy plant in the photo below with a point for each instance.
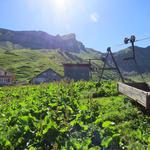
(66, 116)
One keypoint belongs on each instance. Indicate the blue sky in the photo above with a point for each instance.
(97, 23)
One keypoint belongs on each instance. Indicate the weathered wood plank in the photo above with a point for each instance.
(136, 94)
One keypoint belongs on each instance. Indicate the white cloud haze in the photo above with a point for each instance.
(94, 17)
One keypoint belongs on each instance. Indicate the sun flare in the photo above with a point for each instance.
(62, 6)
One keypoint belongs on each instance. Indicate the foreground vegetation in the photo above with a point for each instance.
(80, 116)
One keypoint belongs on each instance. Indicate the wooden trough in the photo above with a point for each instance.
(139, 92)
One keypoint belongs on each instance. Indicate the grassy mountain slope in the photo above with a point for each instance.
(26, 63)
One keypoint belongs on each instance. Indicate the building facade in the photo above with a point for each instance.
(6, 78)
(77, 71)
(47, 76)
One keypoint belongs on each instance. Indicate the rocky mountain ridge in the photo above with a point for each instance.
(41, 40)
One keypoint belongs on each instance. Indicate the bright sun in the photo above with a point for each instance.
(61, 12)
(62, 5)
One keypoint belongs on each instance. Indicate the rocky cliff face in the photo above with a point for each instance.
(41, 40)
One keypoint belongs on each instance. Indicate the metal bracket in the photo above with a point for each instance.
(115, 63)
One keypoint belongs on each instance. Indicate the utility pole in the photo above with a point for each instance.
(132, 40)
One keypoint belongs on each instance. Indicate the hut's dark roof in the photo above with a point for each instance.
(76, 65)
(49, 69)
